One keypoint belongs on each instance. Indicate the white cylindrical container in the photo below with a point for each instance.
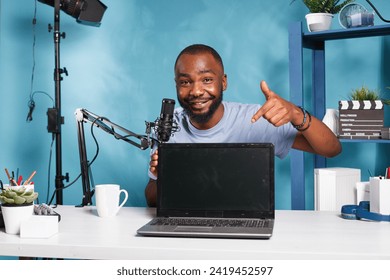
(331, 119)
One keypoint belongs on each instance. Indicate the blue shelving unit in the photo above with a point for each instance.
(298, 40)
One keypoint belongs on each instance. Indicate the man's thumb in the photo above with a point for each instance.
(265, 89)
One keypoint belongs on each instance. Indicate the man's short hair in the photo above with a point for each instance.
(199, 49)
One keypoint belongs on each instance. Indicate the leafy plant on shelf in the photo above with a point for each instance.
(364, 93)
(18, 196)
(325, 6)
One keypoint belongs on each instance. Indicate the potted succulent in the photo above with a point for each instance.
(321, 13)
(362, 117)
(16, 206)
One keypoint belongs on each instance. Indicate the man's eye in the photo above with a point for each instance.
(184, 83)
(207, 80)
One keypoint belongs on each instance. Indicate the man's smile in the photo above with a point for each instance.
(199, 103)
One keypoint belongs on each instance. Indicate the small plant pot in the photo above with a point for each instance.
(318, 21)
(14, 215)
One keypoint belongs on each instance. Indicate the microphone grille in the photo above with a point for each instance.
(168, 106)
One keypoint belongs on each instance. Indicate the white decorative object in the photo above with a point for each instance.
(355, 15)
(334, 187)
(318, 21)
(331, 119)
(362, 191)
(39, 226)
(380, 195)
(14, 216)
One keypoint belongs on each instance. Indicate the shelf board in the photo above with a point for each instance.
(298, 40)
(357, 32)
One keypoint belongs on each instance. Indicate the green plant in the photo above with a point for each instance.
(17, 196)
(325, 6)
(364, 93)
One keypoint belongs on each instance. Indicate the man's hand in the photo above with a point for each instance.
(151, 187)
(153, 163)
(276, 110)
(319, 139)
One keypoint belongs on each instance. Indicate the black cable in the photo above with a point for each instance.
(376, 11)
(93, 124)
(34, 21)
(96, 142)
(111, 130)
(48, 173)
(89, 164)
(31, 103)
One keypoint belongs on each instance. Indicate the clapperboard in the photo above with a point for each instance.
(361, 119)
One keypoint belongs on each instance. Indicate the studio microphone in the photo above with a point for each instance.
(165, 125)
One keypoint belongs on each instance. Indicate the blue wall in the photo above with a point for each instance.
(124, 68)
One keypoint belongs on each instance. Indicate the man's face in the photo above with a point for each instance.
(200, 81)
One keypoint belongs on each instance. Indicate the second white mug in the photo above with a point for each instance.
(108, 199)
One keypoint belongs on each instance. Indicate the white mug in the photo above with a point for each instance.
(107, 199)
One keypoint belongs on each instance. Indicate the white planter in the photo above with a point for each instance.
(318, 21)
(14, 216)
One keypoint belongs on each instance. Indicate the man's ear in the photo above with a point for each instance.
(224, 82)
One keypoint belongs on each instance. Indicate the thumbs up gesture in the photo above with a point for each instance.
(275, 110)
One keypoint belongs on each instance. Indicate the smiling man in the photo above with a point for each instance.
(205, 118)
(199, 85)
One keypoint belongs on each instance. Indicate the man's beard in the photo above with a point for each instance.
(205, 117)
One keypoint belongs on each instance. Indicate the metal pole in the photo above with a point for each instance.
(59, 120)
(87, 193)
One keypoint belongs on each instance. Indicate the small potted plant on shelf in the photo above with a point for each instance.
(321, 13)
(16, 206)
(362, 117)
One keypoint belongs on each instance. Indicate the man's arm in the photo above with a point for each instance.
(151, 193)
(313, 136)
(151, 187)
(318, 139)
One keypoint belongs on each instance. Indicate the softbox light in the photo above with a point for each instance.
(89, 12)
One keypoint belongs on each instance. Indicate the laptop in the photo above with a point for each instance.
(223, 190)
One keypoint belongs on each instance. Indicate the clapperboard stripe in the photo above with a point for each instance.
(360, 105)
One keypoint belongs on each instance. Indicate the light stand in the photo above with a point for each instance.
(82, 116)
(55, 120)
(86, 12)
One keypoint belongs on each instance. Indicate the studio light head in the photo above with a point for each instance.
(89, 12)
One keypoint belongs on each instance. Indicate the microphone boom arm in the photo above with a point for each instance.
(83, 116)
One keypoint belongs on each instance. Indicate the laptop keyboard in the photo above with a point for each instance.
(210, 222)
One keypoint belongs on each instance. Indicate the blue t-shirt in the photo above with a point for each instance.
(235, 127)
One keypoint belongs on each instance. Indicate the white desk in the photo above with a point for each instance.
(297, 235)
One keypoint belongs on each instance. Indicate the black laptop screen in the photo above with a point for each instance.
(216, 179)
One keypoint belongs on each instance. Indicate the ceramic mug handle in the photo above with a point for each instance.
(124, 200)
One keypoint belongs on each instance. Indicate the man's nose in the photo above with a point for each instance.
(197, 89)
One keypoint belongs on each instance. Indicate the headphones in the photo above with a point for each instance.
(362, 211)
